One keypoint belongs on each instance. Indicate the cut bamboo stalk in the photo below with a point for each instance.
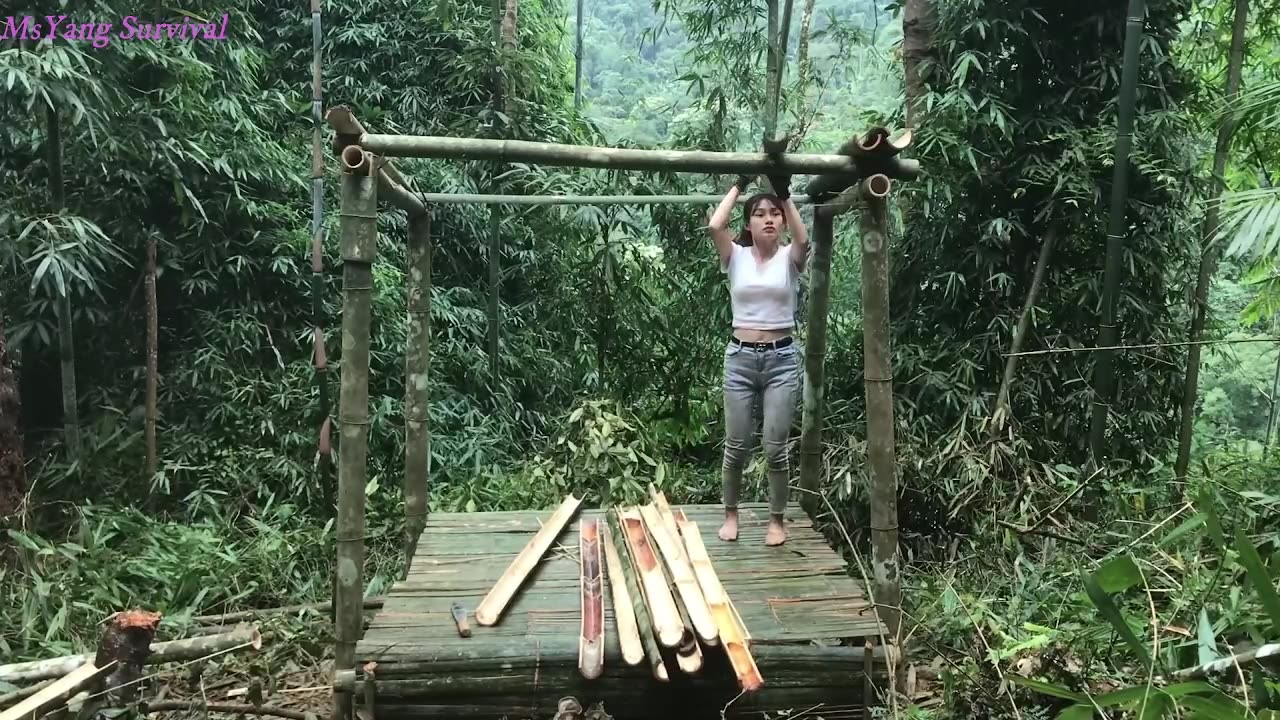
(57, 693)
(174, 650)
(688, 652)
(667, 625)
(591, 636)
(732, 631)
(681, 520)
(681, 571)
(495, 602)
(644, 625)
(623, 613)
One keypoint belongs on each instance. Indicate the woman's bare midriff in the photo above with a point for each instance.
(752, 335)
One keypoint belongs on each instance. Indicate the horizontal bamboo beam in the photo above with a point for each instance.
(391, 184)
(471, 199)
(695, 161)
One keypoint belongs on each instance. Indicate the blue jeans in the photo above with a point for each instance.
(767, 378)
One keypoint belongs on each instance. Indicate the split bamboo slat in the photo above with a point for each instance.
(490, 609)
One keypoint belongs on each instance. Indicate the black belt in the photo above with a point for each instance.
(771, 345)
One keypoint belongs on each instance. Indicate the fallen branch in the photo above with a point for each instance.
(373, 603)
(188, 649)
(235, 709)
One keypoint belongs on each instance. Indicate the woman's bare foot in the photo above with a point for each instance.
(729, 531)
(777, 532)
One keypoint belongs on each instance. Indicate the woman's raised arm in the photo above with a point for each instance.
(719, 222)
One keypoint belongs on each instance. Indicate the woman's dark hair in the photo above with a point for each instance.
(744, 238)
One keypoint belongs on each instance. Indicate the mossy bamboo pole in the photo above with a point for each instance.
(772, 87)
(599, 200)
(153, 358)
(417, 428)
(643, 622)
(815, 354)
(1103, 378)
(1209, 255)
(319, 360)
(878, 377)
(693, 161)
(577, 58)
(359, 249)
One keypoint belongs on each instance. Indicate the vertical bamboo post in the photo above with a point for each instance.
(495, 210)
(815, 354)
(417, 433)
(1103, 379)
(358, 216)
(878, 377)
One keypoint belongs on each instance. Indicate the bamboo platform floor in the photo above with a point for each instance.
(808, 620)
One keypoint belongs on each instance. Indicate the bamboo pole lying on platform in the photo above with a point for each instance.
(732, 633)
(681, 572)
(624, 613)
(663, 613)
(591, 636)
(491, 607)
(644, 624)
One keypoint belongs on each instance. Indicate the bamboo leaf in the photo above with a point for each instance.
(1118, 575)
(1048, 689)
(1258, 575)
(1103, 602)
(1216, 708)
(1076, 712)
(1208, 650)
(1204, 498)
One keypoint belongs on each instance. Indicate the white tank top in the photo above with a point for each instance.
(763, 295)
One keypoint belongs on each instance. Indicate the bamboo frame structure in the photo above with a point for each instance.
(871, 164)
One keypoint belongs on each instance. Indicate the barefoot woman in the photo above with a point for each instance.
(761, 360)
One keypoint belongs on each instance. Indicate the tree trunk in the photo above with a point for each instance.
(878, 377)
(152, 356)
(323, 445)
(917, 36)
(13, 472)
(771, 71)
(66, 340)
(1001, 412)
(509, 24)
(1209, 255)
(1107, 332)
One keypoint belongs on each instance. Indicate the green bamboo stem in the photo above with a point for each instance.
(878, 377)
(815, 354)
(577, 59)
(66, 336)
(417, 447)
(359, 249)
(1002, 412)
(643, 621)
(1104, 378)
(1209, 256)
